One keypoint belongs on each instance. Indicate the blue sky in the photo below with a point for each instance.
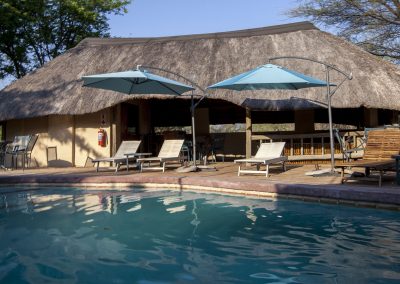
(152, 18)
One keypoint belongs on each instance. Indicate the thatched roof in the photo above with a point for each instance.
(56, 88)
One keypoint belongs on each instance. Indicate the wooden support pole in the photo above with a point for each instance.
(112, 136)
(248, 133)
(304, 121)
(73, 141)
(371, 117)
(395, 117)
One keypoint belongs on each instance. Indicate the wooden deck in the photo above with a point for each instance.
(293, 183)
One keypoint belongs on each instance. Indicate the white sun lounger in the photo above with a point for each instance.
(268, 153)
(170, 151)
(126, 151)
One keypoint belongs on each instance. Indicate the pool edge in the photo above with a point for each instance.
(122, 186)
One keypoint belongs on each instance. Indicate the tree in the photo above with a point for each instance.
(372, 24)
(32, 32)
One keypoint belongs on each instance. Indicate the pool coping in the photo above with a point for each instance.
(353, 195)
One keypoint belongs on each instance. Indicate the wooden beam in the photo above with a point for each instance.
(304, 121)
(202, 121)
(395, 117)
(144, 118)
(113, 130)
(73, 140)
(248, 133)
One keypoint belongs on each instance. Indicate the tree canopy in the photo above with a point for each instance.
(34, 32)
(372, 24)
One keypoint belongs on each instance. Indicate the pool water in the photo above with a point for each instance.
(162, 236)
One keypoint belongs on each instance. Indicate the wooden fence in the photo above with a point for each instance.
(313, 146)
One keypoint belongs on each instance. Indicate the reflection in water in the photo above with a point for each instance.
(176, 209)
(150, 236)
(135, 208)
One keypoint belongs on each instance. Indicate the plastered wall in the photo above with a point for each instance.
(74, 138)
(31, 126)
(86, 127)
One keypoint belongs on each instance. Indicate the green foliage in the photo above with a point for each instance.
(33, 32)
(372, 24)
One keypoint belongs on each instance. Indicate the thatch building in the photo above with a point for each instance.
(52, 102)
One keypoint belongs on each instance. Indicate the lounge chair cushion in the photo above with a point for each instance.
(170, 151)
(126, 147)
(268, 153)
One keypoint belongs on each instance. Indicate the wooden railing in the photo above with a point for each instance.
(313, 146)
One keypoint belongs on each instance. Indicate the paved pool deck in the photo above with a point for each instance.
(290, 184)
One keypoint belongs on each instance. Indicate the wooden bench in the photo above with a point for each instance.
(381, 146)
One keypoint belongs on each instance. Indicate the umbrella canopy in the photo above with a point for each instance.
(143, 83)
(269, 76)
(136, 82)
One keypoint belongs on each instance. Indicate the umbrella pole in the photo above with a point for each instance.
(193, 105)
(193, 131)
(328, 94)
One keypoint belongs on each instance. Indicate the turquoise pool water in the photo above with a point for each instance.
(162, 236)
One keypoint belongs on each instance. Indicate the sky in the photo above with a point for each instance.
(154, 18)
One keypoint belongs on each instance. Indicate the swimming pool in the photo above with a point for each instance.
(163, 236)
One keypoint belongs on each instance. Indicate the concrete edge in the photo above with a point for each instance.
(299, 192)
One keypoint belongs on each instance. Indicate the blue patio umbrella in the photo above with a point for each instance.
(269, 76)
(140, 82)
(136, 82)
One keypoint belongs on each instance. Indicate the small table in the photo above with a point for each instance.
(397, 158)
(134, 155)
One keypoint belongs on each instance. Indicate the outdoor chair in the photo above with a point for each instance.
(3, 148)
(51, 156)
(267, 154)
(210, 146)
(217, 146)
(15, 149)
(381, 146)
(348, 153)
(126, 152)
(186, 151)
(6, 154)
(204, 148)
(26, 152)
(170, 151)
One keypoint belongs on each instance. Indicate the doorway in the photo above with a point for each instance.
(129, 122)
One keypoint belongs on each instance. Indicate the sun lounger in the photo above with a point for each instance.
(126, 151)
(381, 146)
(267, 154)
(170, 151)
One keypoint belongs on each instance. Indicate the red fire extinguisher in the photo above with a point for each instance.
(101, 137)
